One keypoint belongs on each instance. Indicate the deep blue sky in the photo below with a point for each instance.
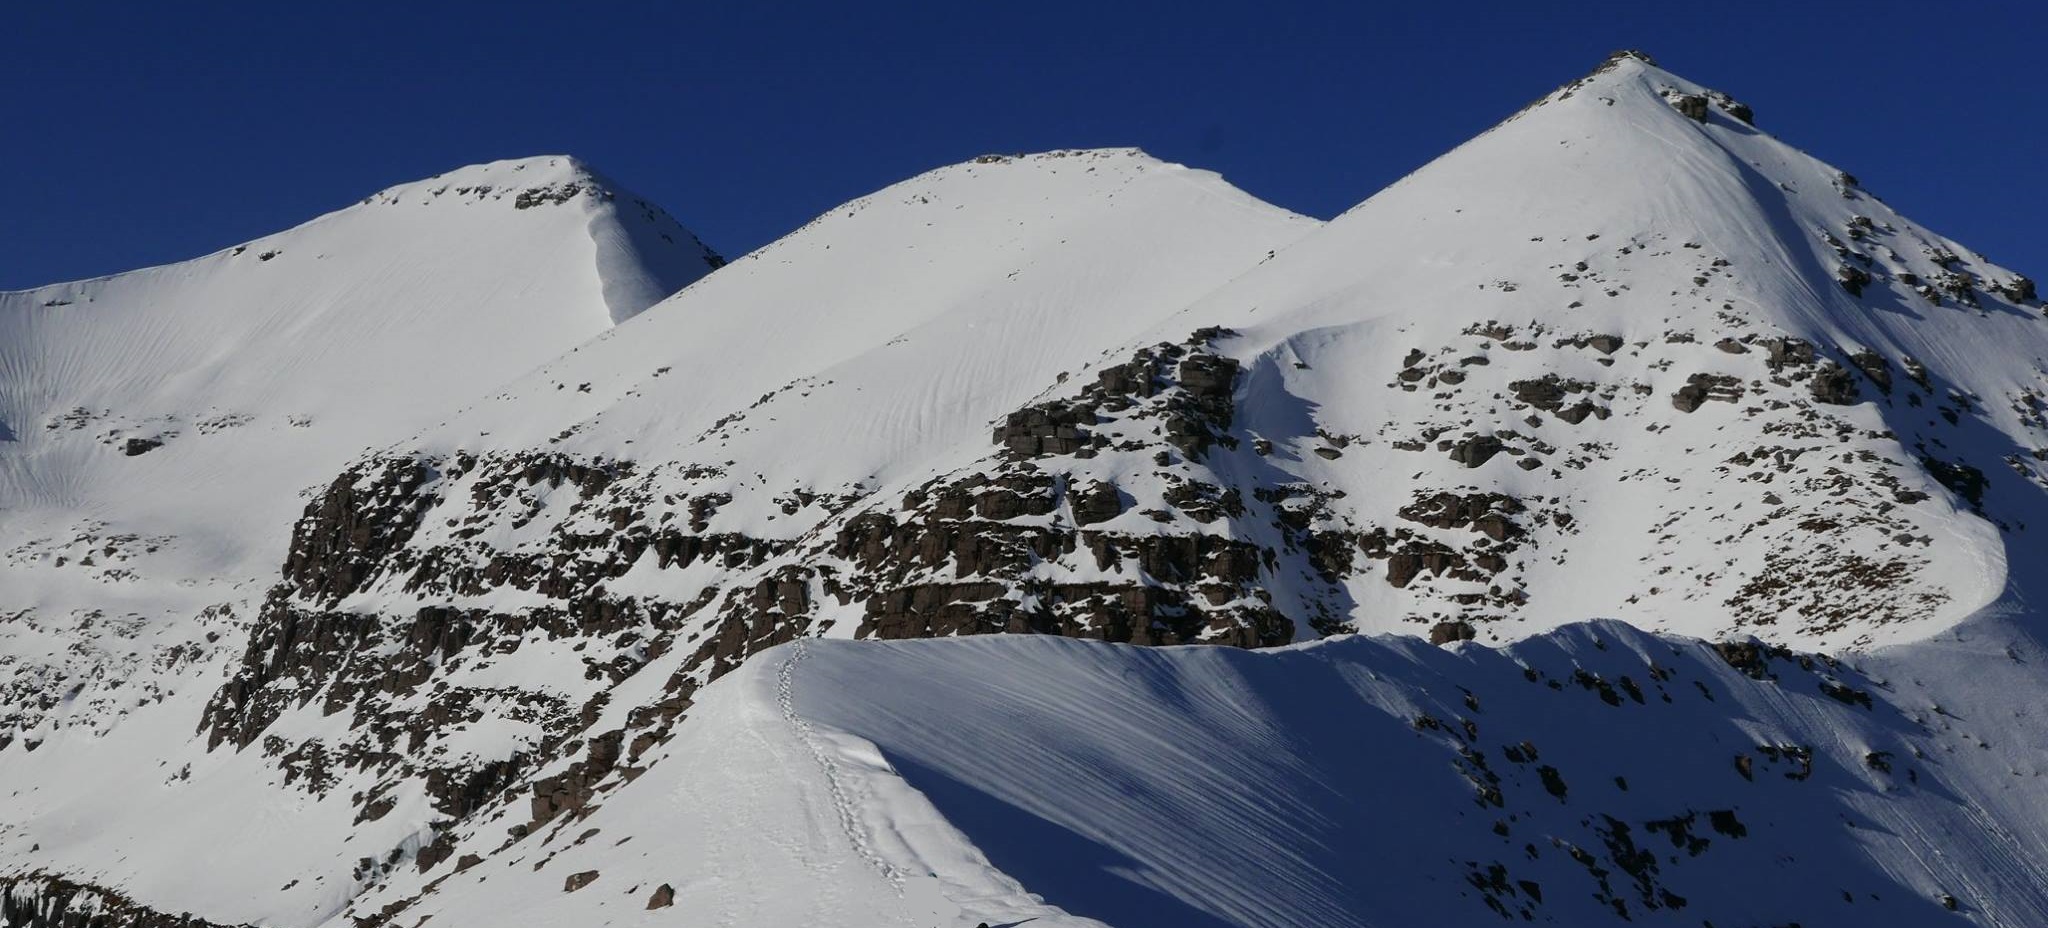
(140, 133)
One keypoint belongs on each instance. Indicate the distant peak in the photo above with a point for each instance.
(1634, 69)
(1064, 154)
(524, 182)
(1617, 67)
(1615, 59)
(550, 165)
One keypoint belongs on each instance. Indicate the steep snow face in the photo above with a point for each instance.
(158, 426)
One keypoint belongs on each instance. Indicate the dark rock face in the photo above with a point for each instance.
(1699, 388)
(573, 789)
(1203, 586)
(1546, 392)
(549, 195)
(956, 557)
(1693, 106)
(1751, 657)
(1852, 279)
(138, 446)
(1832, 384)
(1189, 387)
(1788, 352)
(1962, 479)
(1447, 632)
(1497, 534)
(1043, 430)
(348, 531)
(1476, 450)
(1490, 514)
(384, 670)
(1552, 393)
(1875, 367)
(41, 901)
(943, 567)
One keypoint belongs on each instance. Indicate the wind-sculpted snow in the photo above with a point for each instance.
(583, 643)
(1598, 775)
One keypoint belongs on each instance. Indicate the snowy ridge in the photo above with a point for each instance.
(579, 649)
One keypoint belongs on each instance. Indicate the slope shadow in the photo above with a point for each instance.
(1332, 786)
(1091, 879)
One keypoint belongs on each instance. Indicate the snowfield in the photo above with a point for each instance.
(1623, 519)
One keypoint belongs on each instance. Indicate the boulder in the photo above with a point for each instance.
(1833, 384)
(1447, 632)
(1477, 450)
(1700, 388)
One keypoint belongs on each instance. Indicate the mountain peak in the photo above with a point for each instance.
(1618, 57)
(251, 361)
(1631, 70)
(1633, 239)
(1060, 154)
(524, 183)
(643, 254)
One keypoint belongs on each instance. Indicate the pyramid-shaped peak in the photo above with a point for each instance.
(1631, 70)
(521, 182)
(1082, 182)
(1617, 58)
(1115, 160)
(1632, 243)
(1060, 154)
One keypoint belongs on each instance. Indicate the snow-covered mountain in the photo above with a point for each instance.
(1624, 357)
(158, 427)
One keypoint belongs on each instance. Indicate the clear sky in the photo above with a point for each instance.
(144, 132)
